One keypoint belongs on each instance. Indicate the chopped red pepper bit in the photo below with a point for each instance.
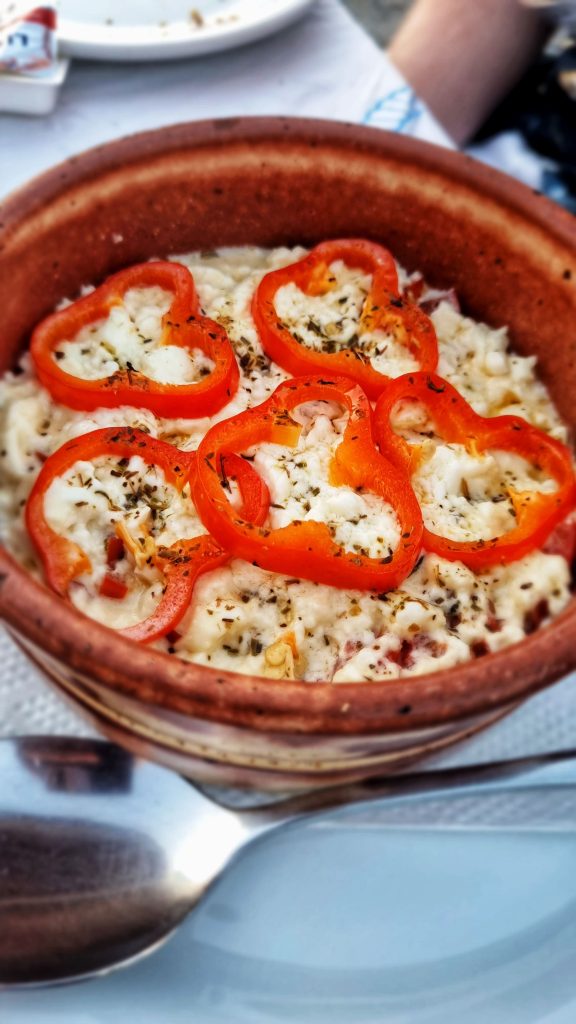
(115, 551)
(562, 540)
(306, 548)
(112, 587)
(384, 309)
(182, 325)
(536, 512)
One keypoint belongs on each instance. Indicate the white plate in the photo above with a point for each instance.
(168, 29)
(424, 911)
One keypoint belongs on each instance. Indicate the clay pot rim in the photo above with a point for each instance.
(313, 132)
(159, 680)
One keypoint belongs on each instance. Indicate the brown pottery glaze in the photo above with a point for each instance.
(510, 254)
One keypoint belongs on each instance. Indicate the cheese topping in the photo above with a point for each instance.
(476, 359)
(130, 338)
(464, 496)
(94, 501)
(329, 322)
(300, 489)
(242, 617)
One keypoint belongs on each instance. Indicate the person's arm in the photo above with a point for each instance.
(462, 56)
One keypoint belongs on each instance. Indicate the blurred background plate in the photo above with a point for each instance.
(167, 29)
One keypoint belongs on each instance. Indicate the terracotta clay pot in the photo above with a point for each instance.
(510, 254)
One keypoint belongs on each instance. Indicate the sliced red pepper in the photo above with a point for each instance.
(536, 513)
(181, 564)
(306, 549)
(62, 559)
(253, 490)
(182, 325)
(184, 562)
(384, 309)
(112, 587)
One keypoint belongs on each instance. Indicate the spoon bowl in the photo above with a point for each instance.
(98, 855)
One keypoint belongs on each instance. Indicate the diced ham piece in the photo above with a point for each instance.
(429, 298)
(562, 540)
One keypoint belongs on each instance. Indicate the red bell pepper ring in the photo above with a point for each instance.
(536, 513)
(181, 564)
(184, 562)
(182, 325)
(306, 548)
(64, 560)
(384, 309)
(253, 491)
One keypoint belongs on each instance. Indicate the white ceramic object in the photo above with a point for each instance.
(32, 94)
(167, 29)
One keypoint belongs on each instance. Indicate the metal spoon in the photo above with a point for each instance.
(102, 855)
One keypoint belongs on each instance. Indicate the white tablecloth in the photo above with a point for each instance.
(325, 66)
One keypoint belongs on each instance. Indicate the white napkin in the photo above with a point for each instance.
(325, 66)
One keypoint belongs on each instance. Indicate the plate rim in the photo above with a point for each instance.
(92, 39)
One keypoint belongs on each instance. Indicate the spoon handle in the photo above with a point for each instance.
(556, 769)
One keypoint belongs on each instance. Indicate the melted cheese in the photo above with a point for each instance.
(298, 480)
(242, 617)
(464, 496)
(88, 503)
(131, 338)
(329, 322)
